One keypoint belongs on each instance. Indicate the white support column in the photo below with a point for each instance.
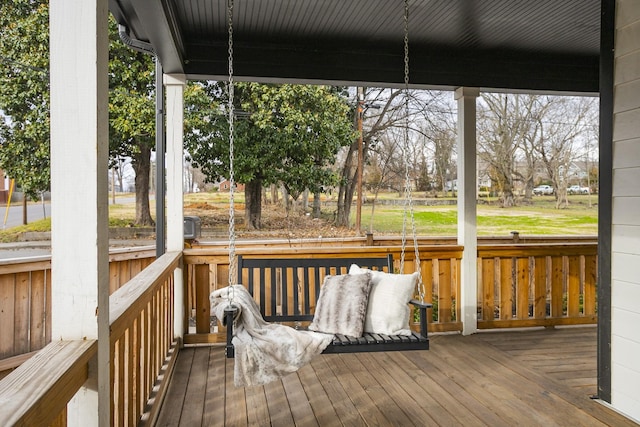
(79, 201)
(467, 215)
(175, 164)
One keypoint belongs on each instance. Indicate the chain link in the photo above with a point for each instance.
(407, 179)
(232, 220)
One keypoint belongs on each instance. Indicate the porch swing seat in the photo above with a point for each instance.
(296, 279)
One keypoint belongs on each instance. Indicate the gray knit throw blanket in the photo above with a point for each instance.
(264, 352)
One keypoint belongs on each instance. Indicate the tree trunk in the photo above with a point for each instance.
(141, 165)
(286, 201)
(347, 188)
(305, 200)
(24, 208)
(253, 204)
(507, 199)
(528, 189)
(120, 178)
(316, 205)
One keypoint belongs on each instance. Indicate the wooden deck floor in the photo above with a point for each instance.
(533, 378)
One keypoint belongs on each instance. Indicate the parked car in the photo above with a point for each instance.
(543, 190)
(576, 189)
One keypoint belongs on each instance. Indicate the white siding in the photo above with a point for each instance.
(625, 298)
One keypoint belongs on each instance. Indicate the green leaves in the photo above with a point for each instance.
(131, 98)
(24, 98)
(24, 94)
(284, 133)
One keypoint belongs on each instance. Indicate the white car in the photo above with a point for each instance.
(576, 189)
(543, 190)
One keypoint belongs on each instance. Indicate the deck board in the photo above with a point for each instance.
(172, 406)
(301, 409)
(540, 377)
(213, 411)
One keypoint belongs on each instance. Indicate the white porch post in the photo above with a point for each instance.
(79, 200)
(467, 215)
(175, 163)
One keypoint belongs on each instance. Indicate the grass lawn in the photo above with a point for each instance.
(537, 218)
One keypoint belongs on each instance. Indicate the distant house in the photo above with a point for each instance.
(4, 187)
(225, 186)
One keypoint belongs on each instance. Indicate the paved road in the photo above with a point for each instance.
(13, 214)
(38, 211)
(35, 212)
(40, 248)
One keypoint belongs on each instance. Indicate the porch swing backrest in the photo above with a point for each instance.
(286, 290)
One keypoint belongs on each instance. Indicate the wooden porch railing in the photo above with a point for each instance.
(37, 393)
(25, 300)
(143, 352)
(519, 285)
(208, 269)
(142, 343)
(536, 285)
(25, 307)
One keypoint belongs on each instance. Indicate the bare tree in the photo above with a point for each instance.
(530, 111)
(444, 144)
(375, 121)
(568, 119)
(381, 173)
(383, 129)
(519, 133)
(499, 137)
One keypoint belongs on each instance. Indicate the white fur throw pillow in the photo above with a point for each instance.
(342, 305)
(388, 309)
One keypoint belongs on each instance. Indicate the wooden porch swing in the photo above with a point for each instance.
(288, 289)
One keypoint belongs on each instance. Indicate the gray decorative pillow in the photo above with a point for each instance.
(342, 305)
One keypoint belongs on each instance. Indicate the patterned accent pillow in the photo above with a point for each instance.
(388, 310)
(342, 305)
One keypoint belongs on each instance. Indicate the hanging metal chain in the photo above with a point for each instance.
(407, 179)
(232, 184)
(405, 145)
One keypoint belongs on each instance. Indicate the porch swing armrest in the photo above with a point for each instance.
(229, 316)
(422, 306)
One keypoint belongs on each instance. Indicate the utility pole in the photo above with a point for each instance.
(359, 112)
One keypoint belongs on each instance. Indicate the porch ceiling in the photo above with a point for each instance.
(550, 45)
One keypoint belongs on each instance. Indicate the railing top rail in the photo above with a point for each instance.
(117, 254)
(21, 265)
(537, 249)
(43, 262)
(37, 391)
(337, 251)
(385, 239)
(25, 260)
(126, 302)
